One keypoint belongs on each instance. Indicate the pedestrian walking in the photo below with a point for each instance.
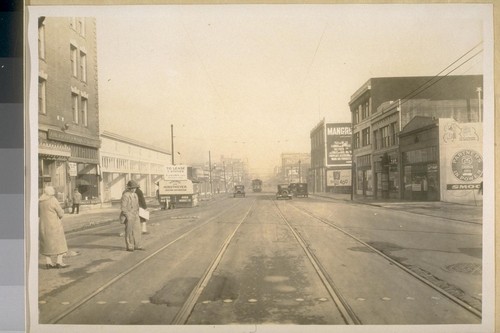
(142, 204)
(130, 217)
(77, 200)
(51, 231)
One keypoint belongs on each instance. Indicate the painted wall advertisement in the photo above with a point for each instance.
(175, 172)
(338, 177)
(461, 160)
(338, 144)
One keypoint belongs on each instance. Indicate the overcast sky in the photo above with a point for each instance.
(252, 81)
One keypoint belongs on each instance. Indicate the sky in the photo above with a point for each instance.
(252, 81)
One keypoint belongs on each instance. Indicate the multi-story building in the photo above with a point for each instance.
(124, 159)
(295, 167)
(383, 106)
(68, 108)
(331, 162)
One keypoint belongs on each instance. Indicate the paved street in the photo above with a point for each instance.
(257, 260)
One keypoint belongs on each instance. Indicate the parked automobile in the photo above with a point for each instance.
(301, 190)
(284, 192)
(239, 191)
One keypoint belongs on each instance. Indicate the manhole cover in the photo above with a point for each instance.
(467, 268)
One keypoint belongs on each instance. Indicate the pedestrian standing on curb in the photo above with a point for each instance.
(130, 217)
(142, 204)
(51, 231)
(77, 200)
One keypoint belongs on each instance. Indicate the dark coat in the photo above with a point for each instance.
(142, 201)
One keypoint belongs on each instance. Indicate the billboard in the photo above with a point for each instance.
(176, 172)
(171, 187)
(338, 177)
(338, 144)
(461, 160)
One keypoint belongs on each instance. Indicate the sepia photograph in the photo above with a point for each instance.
(261, 167)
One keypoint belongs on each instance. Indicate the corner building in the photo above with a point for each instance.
(68, 108)
(382, 107)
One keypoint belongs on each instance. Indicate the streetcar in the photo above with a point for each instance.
(257, 185)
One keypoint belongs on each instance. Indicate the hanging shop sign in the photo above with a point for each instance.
(72, 169)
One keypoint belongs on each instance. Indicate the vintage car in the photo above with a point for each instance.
(301, 190)
(239, 191)
(284, 192)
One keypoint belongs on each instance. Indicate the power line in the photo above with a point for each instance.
(424, 86)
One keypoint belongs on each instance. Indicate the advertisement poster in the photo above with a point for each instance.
(175, 172)
(338, 144)
(338, 177)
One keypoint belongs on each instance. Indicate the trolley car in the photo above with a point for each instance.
(257, 185)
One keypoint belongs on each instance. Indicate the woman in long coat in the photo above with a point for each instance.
(51, 231)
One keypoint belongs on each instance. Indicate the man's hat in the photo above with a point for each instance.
(132, 184)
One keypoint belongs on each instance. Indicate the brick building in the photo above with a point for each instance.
(68, 108)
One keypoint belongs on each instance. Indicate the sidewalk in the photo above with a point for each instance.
(451, 211)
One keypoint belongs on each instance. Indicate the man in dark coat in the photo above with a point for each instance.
(142, 204)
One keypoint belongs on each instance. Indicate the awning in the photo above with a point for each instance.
(51, 150)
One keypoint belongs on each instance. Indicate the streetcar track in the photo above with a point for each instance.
(443, 292)
(103, 287)
(183, 314)
(343, 306)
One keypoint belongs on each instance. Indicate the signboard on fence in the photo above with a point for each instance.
(172, 187)
(176, 172)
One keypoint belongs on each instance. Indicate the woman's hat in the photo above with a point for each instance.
(132, 184)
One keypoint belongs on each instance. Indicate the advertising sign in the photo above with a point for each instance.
(72, 169)
(338, 144)
(338, 177)
(175, 172)
(461, 160)
(171, 187)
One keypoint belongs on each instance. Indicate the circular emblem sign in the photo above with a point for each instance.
(467, 165)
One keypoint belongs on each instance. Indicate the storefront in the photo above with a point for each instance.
(364, 176)
(421, 174)
(66, 162)
(387, 175)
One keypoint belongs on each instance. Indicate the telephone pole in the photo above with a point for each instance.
(172, 141)
(210, 171)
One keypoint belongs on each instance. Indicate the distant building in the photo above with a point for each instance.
(124, 159)
(68, 107)
(383, 106)
(331, 155)
(295, 167)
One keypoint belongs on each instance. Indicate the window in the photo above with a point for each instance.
(394, 133)
(386, 138)
(365, 135)
(41, 41)
(72, 23)
(356, 116)
(85, 119)
(375, 141)
(83, 66)
(74, 107)
(42, 107)
(356, 140)
(73, 54)
(365, 111)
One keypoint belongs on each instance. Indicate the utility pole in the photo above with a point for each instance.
(172, 141)
(224, 168)
(300, 174)
(210, 171)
